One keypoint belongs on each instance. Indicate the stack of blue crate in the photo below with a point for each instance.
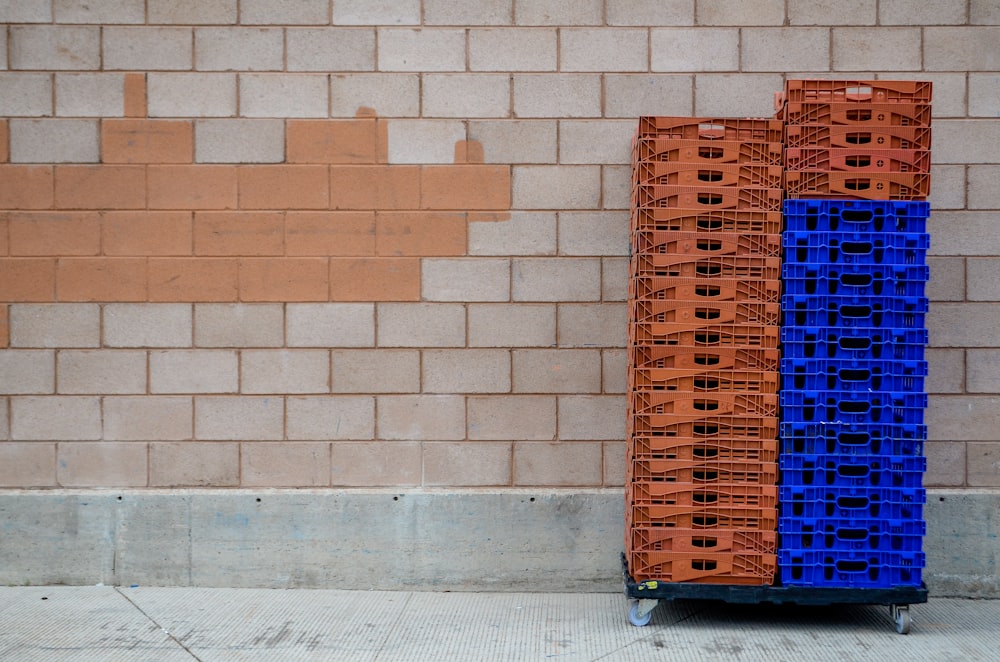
(853, 337)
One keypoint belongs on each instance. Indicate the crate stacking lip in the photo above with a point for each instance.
(695, 334)
(668, 429)
(707, 152)
(702, 517)
(855, 569)
(668, 265)
(707, 381)
(897, 248)
(679, 173)
(660, 493)
(839, 215)
(856, 342)
(696, 473)
(858, 114)
(862, 185)
(704, 289)
(703, 358)
(651, 311)
(697, 245)
(703, 567)
(693, 405)
(706, 221)
(848, 136)
(855, 279)
(882, 407)
(702, 450)
(857, 159)
(707, 128)
(878, 91)
(706, 198)
(822, 438)
(852, 375)
(852, 470)
(851, 502)
(656, 539)
(868, 311)
(882, 535)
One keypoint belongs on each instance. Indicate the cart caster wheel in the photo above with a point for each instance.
(901, 614)
(638, 618)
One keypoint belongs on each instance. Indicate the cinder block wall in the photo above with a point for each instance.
(324, 243)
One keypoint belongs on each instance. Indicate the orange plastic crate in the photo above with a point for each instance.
(703, 289)
(674, 379)
(858, 158)
(700, 244)
(703, 473)
(703, 567)
(702, 450)
(706, 151)
(725, 312)
(642, 492)
(869, 91)
(653, 539)
(858, 114)
(707, 517)
(700, 174)
(704, 358)
(685, 266)
(670, 334)
(671, 428)
(873, 186)
(846, 136)
(702, 128)
(708, 198)
(701, 221)
(667, 406)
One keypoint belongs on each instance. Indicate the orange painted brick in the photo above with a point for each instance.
(192, 187)
(101, 279)
(55, 233)
(4, 142)
(135, 95)
(284, 279)
(4, 326)
(238, 233)
(100, 187)
(147, 141)
(469, 151)
(375, 279)
(134, 233)
(419, 233)
(284, 187)
(193, 279)
(465, 187)
(26, 187)
(375, 187)
(4, 224)
(331, 141)
(330, 233)
(27, 279)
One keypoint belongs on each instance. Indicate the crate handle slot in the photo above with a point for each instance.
(709, 176)
(856, 280)
(856, 215)
(702, 338)
(855, 343)
(858, 161)
(845, 533)
(709, 199)
(857, 312)
(852, 566)
(857, 247)
(859, 93)
(703, 564)
(711, 131)
(706, 429)
(854, 438)
(855, 375)
(852, 502)
(862, 115)
(707, 314)
(710, 152)
(706, 223)
(706, 384)
(705, 475)
(708, 269)
(707, 290)
(706, 359)
(704, 541)
(705, 497)
(859, 184)
(849, 407)
(860, 138)
(852, 470)
(705, 405)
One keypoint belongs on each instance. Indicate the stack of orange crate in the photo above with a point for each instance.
(704, 297)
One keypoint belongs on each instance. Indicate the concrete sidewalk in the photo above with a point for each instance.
(106, 624)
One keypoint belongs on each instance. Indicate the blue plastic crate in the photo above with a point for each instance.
(853, 343)
(837, 438)
(882, 535)
(856, 247)
(852, 470)
(854, 569)
(885, 311)
(838, 215)
(813, 501)
(882, 407)
(855, 279)
(852, 374)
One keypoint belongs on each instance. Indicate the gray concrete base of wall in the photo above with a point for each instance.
(510, 540)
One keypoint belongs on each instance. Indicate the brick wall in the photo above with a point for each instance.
(354, 243)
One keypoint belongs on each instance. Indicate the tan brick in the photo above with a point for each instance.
(962, 141)
(239, 325)
(46, 47)
(727, 12)
(152, 418)
(429, 49)
(281, 95)
(650, 12)
(907, 12)
(947, 281)
(193, 371)
(55, 325)
(559, 12)
(466, 371)
(684, 50)
(558, 464)
(4, 419)
(466, 279)
(331, 325)
(556, 187)
(52, 418)
(982, 193)
(803, 49)
(421, 325)
(614, 279)
(513, 49)
(593, 325)
(614, 463)
(519, 233)
(632, 95)
(196, 12)
(556, 371)
(962, 233)
(27, 372)
(982, 370)
(338, 417)
(603, 49)
(393, 95)
(616, 186)
(595, 141)
(376, 465)
(849, 12)
(194, 464)
(557, 95)
(90, 95)
(946, 464)
(103, 464)
(422, 141)
(375, 279)
(376, 371)
(238, 49)
(101, 371)
(27, 465)
(613, 370)
(285, 371)
(467, 464)
(192, 94)
(512, 325)
(330, 49)
(147, 325)
(135, 233)
(284, 279)
(594, 233)
(735, 95)
(984, 12)
(147, 48)
(421, 417)
(592, 417)
(25, 94)
(285, 464)
(984, 464)
(854, 49)
(960, 48)
(556, 279)
(516, 141)
(962, 324)
(512, 417)
(983, 89)
(946, 370)
(239, 417)
(963, 417)
(466, 95)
